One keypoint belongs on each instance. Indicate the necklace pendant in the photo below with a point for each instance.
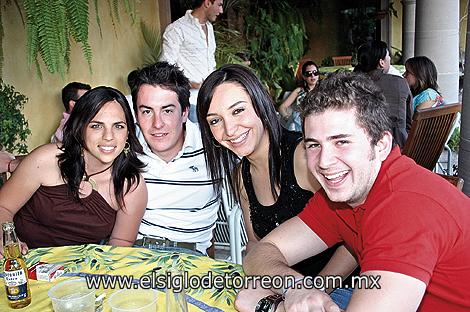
(92, 183)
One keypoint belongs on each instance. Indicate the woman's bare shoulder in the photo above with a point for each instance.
(43, 156)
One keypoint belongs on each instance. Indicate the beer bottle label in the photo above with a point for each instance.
(16, 285)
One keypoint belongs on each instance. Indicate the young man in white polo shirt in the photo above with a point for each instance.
(182, 205)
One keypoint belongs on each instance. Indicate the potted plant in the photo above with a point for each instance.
(14, 128)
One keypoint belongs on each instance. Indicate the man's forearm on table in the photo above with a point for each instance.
(266, 259)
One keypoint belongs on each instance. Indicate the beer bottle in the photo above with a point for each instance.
(14, 267)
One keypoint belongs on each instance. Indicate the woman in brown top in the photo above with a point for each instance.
(86, 189)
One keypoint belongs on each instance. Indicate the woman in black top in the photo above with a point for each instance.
(238, 120)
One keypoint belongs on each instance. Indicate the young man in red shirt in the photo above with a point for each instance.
(408, 228)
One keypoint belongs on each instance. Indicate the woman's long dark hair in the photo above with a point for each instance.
(425, 73)
(71, 161)
(221, 160)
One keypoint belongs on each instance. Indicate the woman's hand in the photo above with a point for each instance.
(23, 248)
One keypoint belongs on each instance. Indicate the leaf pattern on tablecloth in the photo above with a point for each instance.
(110, 260)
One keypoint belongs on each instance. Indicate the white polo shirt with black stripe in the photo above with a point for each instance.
(182, 204)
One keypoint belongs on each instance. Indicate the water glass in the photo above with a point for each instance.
(133, 300)
(72, 296)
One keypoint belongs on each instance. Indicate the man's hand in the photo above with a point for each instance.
(5, 160)
(309, 300)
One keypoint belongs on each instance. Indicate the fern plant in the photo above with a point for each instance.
(51, 24)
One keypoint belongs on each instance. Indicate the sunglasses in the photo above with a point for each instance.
(311, 73)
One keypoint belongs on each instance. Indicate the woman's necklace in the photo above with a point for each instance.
(87, 177)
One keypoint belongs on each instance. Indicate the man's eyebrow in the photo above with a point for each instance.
(144, 106)
(330, 138)
(168, 106)
(230, 107)
(163, 107)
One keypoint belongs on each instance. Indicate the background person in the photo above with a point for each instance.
(289, 109)
(8, 162)
(86, 189)
(272, 183)
(374, 60)
(412, 237)
(189, 42)
(182, 204)
(421, 75)
(70, 95)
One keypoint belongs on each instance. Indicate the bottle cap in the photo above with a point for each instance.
(8, 226)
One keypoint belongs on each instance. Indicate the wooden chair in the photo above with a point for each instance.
(429, 132)
(342, 60)
(458, 182)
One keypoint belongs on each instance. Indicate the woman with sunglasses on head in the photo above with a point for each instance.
(87, 188)
(272, 182)
(289, 109)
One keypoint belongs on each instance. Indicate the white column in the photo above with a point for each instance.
(437, 37)
(408, 28)
(385, 23)
(464, 147)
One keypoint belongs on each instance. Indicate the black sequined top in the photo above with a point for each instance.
(292, 199)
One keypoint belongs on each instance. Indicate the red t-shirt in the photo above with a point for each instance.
(413, 222)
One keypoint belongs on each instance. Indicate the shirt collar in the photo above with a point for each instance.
(193, 18)
(382, 183)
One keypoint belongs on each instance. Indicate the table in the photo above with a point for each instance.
(332, 69)
(93, 259)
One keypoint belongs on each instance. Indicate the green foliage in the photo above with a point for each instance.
(51, 24)
(153, 39)
(229, 43)
(13, 126)
(275, 31)
(454, 140)
(327, 61)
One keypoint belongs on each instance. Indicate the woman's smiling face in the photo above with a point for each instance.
(233, 120)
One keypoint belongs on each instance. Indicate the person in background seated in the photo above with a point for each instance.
(421, 75)
(8, 162)
(189, 43)
(238, 120)
(289, 109)
(411, 239)
(70, 95)
(374, 59)
(86, 189)
(182, 205)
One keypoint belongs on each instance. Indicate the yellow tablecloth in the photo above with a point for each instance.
(127, 261)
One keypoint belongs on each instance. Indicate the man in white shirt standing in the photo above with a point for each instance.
(189, 42)
(182, 203)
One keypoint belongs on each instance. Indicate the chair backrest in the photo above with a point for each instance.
(429, 132)
(342, 60)
(458, 182)
(230, 229)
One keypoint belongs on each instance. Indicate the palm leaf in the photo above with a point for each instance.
(98, 21)
(153, 39)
